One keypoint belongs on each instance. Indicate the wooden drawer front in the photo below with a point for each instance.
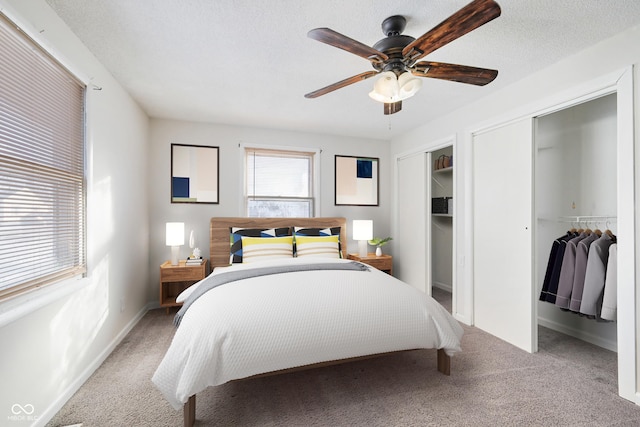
(182, 274)
(380, 264)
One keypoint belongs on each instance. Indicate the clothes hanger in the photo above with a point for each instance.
(609, 232)
(597, 230)
(586, 230)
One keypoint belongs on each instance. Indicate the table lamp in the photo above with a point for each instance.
(362, 232)
(175, 239)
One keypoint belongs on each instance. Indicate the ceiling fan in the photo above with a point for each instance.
(395, 57)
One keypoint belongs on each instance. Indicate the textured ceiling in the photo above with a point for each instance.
(248, 62)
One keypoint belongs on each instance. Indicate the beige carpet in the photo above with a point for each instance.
(567, 383)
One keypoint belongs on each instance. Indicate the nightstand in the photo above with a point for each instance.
(176, 278)
(382, 262)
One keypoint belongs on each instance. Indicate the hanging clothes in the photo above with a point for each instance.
(580, 269)
(554, 265)
(610, 297)
(565, 283)
(595, 276)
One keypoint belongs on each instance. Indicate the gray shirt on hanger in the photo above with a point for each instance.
(595, 275)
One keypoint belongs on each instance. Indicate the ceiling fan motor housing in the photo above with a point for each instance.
(393, 44)
(392, 47)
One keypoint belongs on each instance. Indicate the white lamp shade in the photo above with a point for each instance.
(175, 233)
(362, 229)
(386, 87)
(390, 89)
(409, 85)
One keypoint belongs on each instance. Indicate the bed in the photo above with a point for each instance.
(274, 313)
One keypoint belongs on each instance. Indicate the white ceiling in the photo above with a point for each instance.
(249, 62)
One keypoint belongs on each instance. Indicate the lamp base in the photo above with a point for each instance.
(362, 248)
(175, 252)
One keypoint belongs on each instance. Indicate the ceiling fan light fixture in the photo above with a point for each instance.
(386, 88)
(389, 89)
(409, 85)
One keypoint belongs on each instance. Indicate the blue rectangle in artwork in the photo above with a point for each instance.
(365, 168)
(180, 187)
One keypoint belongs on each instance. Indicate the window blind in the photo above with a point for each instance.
(279, 182)
(42, 185)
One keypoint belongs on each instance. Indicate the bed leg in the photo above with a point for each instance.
(190, 411)
(444, 362)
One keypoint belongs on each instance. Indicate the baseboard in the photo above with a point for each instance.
(75, 385)
(464, 319)
(577, 333)
(444, 286)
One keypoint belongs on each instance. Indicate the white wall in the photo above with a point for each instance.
(196, 216)
(50, 349)
(519, 99)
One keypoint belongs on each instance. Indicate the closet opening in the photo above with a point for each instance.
(576, 230)
(441, 225)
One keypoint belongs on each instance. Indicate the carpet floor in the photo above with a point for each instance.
(567, 383)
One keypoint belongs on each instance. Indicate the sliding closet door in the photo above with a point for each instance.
(502, 235)
(410, 260)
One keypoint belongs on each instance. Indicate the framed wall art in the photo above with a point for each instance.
(356, 180)
(195, 173)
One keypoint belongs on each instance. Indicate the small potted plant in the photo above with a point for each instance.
(379, 243)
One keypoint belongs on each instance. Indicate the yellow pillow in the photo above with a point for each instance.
(263, 248)
(317, 246)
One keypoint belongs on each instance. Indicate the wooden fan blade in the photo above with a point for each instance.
(341, 84)
(333, 38)
(470, 17)
(454, 72)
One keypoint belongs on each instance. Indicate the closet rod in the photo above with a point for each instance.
(581, 218)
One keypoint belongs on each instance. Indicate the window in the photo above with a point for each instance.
(42, 185)
(279, 183)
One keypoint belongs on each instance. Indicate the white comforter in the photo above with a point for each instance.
(269, 323)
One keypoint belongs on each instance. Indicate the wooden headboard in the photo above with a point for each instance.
(219, 232)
